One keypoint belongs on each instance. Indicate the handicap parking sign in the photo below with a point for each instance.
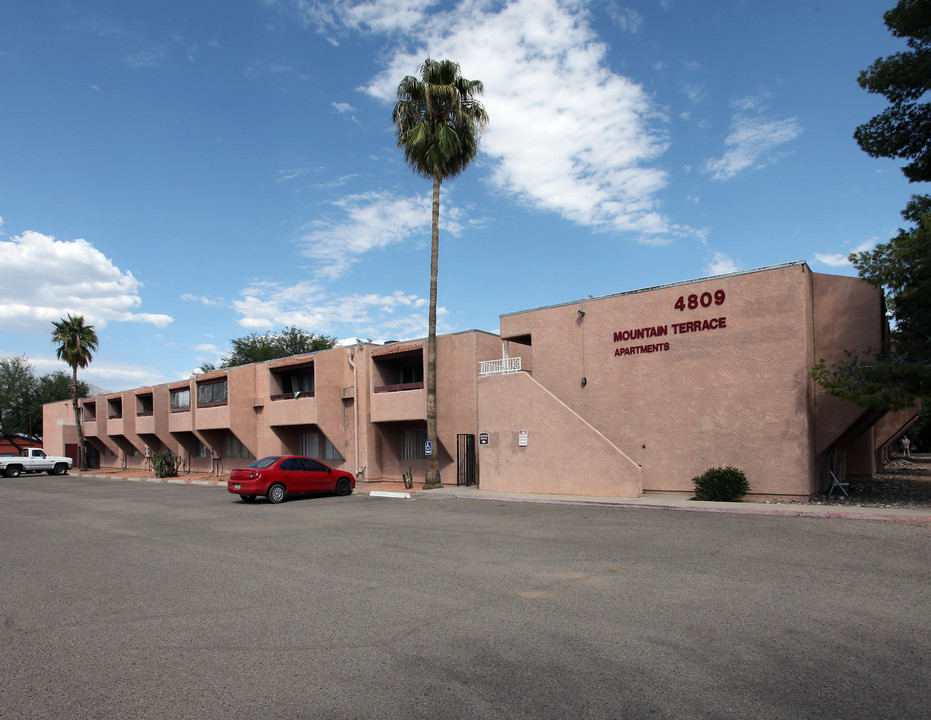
(428, 448)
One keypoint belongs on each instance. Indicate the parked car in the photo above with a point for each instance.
(282, 475)
(33, 460)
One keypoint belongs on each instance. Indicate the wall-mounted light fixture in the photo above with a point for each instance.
(584, 381)
(581, 313)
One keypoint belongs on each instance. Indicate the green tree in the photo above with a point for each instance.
(56, 386)
(271, 346)
(903, 130)
(17, 396)
(22, 395)
(438, 123)
(76, 344)
(893, 376)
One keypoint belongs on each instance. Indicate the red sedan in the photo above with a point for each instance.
(282, 475)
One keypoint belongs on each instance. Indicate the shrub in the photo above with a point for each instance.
(724, 484)
(165, 464)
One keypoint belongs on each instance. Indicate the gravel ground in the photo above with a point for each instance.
(903, 483)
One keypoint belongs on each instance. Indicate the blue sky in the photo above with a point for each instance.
(186, 173)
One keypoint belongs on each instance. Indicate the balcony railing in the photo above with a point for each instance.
(399, 388)
(293, 395)
(499, 367)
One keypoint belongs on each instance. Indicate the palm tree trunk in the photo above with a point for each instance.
(82, 456)
(433, 470)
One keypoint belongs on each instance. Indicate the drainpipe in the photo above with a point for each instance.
(355, 406)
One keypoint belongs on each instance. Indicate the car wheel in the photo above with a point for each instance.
(276, 493)
(248, 498)
(343, 487)
(14, 471)
(60, 469)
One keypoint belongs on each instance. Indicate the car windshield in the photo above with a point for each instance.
(265, 462)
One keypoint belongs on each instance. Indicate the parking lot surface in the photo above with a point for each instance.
(144, 600)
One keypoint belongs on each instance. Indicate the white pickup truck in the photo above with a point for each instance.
(33, 460)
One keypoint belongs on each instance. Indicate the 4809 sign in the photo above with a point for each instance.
(706, 299)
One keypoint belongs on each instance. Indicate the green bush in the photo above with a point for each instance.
(724, 484)
(165, 464)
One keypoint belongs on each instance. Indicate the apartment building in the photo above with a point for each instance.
(607, 396)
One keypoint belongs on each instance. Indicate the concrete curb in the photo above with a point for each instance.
(724, 508)
(649, 503)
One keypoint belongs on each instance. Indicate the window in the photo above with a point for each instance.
(411, 373)
(233, 448)
(315, 444)
(144, 405)
(181, 399)
(303, 383)
(200, 450)
(415, 445)
(115, 408)
(90, 412)
(212, 393)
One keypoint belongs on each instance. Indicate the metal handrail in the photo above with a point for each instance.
(499, 367)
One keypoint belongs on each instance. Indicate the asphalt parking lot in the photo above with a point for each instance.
(137, 600)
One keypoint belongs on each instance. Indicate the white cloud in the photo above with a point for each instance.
(627, 19)
(840, 259)
(371, 221)
(752, 140)
(721, 264)
(209, 302)
(566, 134)
(42, 280)
(270, 306)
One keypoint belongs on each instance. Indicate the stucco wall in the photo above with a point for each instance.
(721, 383)
(563, 454)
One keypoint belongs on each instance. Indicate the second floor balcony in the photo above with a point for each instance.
(394, 403)
(298, 408)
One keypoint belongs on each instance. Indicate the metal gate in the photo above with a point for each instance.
(466, 467)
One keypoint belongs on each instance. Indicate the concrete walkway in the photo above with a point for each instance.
(660, 501)
(650, 501)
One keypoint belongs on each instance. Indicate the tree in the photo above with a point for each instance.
(76, 344)
(903, 130)
(261, 348)
(22, 395)
(895, 375)
(438, 123)
(17, 393)
(56, 386)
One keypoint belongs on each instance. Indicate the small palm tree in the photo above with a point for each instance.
(438, 123)
(76, 344)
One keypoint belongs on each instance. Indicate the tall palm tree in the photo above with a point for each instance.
(438, 123)
(76, 343)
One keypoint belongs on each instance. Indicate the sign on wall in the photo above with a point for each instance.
(685, 303)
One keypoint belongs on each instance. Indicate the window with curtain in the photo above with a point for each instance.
(180, 399)
(315, 444)
(233, 448)
(415, 445)
(213, 392)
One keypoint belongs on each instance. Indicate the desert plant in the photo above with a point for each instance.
(408, 479)
(723, 484)
(165, 464)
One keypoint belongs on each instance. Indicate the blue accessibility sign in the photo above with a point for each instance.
(428, 448)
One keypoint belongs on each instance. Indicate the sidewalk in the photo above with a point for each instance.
(650, 501)
(660, 501)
